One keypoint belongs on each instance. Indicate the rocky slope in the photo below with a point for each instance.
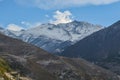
(102, 48)
(37, 64)
(8, 73)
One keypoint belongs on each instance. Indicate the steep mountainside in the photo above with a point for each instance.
(37, 64)
(55, 38)
(102, 48)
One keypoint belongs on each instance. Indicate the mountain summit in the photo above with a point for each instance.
(55, 38)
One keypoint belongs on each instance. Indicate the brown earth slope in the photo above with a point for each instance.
(37, 64)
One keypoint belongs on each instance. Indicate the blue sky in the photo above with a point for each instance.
(33, 12)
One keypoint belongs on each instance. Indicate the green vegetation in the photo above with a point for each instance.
(4, 67)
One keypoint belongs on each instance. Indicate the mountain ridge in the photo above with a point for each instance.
(101, 47)
(52, 37)
(38, 64)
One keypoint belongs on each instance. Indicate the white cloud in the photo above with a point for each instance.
(57, 4)
(62, 17)
(28, 25)
(25, 23)
(47, 16)
(14, 27)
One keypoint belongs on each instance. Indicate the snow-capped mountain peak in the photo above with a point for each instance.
(56, 37)
(71, 31)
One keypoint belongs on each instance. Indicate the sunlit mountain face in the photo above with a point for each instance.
(55, 38)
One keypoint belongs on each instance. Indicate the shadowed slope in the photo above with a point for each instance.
(102, 47)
